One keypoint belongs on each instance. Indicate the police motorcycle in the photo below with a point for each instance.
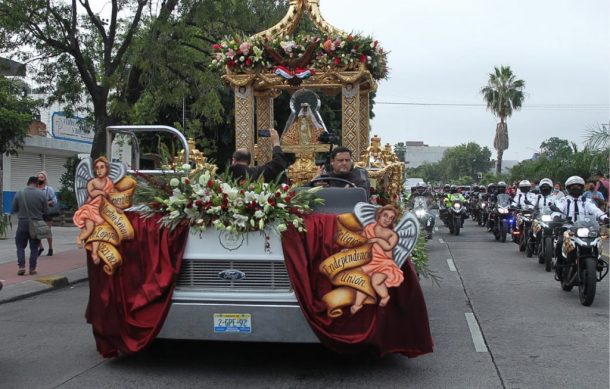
(543, 232)
(454, 204)
(473, 202)
(501, 217)
(582, 264)
(425, 218)
(482, 207)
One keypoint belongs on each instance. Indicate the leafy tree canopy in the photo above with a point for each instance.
(16, 114)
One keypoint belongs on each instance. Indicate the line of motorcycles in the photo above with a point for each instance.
(536, 232)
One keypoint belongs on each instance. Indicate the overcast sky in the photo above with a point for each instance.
(442, 51)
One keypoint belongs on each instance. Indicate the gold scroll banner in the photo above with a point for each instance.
(116, 226)
(343, 268)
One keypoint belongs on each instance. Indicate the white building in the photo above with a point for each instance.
(416, 153)
(50, 143)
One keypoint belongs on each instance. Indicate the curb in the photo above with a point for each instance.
(41, 285)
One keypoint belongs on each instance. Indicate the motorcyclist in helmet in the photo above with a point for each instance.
(524, 199)
(454, 196)
(574, 207)
(545, 198)
(421, 189)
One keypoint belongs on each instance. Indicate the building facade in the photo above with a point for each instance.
(417, 153)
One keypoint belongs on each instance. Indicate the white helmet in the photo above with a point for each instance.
(575, 180)
(546, 181)
(525, 183)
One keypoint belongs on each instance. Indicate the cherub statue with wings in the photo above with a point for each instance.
(376, 245)
(102, 191)
(392, 241)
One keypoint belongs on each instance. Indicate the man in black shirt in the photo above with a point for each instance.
(30, 203)
(270, 171)
(342, 166)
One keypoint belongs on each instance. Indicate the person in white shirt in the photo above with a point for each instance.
(574, 207)
(545, 198)
(524, 199)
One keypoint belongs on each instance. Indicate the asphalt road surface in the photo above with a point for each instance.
(498, 321)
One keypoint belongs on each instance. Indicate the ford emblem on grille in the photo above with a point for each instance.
(232, 275)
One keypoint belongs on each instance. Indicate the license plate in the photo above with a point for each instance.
(233, 323)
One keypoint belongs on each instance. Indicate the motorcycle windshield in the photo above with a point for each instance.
(586, 222)
(420, 202)
(503, 200)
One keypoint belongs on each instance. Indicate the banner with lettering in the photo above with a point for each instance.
(107, 236)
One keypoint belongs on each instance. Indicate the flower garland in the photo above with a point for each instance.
(201, 200)
(248, 54)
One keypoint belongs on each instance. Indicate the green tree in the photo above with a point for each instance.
(400, 149)
(598, 138)
(503, 95)
(16, 113)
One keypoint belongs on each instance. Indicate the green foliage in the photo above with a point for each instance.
(503, 93)
(559, 160)
(5, 225)
(460, 165)
(66, 194)
(419, 257)
(399, 149)
(598, 138)
(16, 114)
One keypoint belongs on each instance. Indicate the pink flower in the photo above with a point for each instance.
(244, 48)
(230, 53)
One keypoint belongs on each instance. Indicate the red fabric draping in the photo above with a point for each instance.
(127, 310)
(400, 327)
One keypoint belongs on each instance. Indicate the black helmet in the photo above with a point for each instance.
(453, 188)
(446, 187)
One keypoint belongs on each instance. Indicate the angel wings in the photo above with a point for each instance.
(84, 173)
(407, 229)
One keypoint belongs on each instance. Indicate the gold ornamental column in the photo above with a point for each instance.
(350, 99)
(264, 120)
(244, 117)
(365, 128)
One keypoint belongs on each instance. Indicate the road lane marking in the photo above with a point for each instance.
(451, 264)
(475, 333)
(441, 241)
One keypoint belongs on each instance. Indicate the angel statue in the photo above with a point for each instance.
(91, 190)
(392, 241)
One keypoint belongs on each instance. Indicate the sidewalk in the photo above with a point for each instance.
(65, 267)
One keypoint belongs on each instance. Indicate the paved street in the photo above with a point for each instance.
(532, 335)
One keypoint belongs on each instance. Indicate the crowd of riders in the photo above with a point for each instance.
(563, 228)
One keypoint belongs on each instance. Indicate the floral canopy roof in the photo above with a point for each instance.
(277, 52)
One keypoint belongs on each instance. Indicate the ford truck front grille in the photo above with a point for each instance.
(259, 275)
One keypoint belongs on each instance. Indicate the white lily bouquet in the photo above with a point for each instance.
(202, 200)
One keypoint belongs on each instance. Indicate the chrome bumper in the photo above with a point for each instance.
(277, 319)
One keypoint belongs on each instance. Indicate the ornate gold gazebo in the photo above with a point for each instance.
(256, 88)
(255, 92)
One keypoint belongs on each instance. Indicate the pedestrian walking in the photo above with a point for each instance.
(29, 204)
(52, 210)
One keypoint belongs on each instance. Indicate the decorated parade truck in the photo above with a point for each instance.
(177, 250)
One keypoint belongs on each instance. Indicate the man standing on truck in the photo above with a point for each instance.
(240, 167)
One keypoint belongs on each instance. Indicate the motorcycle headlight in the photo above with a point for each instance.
(457, 205)
(420, 213)
(546, 218)
(483, 205)
(582, 232)
(503, 211)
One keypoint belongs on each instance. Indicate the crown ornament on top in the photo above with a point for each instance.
(296, 10)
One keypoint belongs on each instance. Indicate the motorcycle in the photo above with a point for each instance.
(425, 218)
(581, 263)
(542, 235)
(483, 212)
(502, 220)
(521, 234)
(456, 216)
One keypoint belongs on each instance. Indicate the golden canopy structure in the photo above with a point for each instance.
(259, 67)
(255, 92)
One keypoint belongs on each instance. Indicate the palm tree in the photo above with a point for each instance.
(503, 94)
(598, 138)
